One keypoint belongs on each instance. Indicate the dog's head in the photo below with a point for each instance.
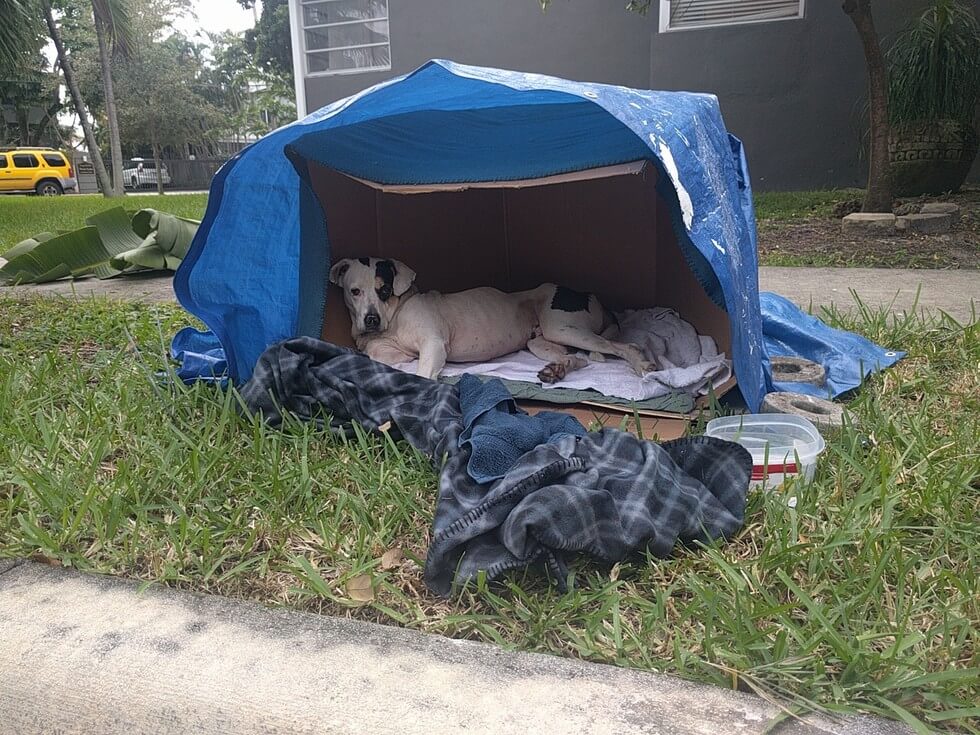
(373, 288)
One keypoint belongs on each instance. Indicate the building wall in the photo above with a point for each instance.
(792, 90)
(587, 40)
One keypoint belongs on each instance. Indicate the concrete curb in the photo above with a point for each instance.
(86, 654)
(7, 564)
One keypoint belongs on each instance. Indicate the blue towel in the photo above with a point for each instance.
(499, 433)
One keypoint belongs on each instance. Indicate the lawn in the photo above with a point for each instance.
(783, 206)
(861, 595)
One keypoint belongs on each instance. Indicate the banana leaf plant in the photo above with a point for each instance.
(111, 243)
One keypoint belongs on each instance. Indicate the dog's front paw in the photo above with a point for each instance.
(553, 372)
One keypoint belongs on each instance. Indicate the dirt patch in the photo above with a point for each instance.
(818, 241)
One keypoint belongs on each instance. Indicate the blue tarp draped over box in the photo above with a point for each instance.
(256, 271)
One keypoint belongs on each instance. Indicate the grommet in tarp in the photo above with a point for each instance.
(797, 370)
(822, 413)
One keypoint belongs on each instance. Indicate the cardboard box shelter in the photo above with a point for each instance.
(603, 230)
(476, 177)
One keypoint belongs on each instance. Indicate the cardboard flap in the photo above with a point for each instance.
(621, 169)
(662, 427)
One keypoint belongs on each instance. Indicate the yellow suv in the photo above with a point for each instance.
(43, 171)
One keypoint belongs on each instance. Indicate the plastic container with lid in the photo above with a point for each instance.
(781, 445)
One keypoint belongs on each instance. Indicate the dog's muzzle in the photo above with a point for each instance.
(372, 323)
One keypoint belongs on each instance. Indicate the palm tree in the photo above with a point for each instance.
(76, 97)
(19, 28)
(114, 32)
(17, 31)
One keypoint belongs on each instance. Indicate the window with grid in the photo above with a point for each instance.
(676, 15)
(345, 36)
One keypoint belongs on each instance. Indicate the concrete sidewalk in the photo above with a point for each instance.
(946, 290)
(941, 290)
(148, 287)
(88, 654)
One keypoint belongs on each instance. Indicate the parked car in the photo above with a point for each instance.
(140, 172)
(42, 171)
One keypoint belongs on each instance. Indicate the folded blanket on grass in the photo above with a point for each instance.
(607, 494)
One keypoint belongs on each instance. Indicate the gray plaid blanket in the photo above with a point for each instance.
(606, 494)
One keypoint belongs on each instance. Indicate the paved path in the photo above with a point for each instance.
(138, 287)
(946, 290)
(88, 654)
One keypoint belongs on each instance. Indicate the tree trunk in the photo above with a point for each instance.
(115, 147)
(879, 195)
(76, 98)
(156, 162)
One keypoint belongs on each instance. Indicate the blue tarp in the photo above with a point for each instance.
(848, 358)
(256, 270)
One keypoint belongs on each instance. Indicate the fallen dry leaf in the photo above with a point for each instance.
(359, 588)
(392, 558)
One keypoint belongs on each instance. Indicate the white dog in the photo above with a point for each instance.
(393, 323)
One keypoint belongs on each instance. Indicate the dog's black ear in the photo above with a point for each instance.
(404, 278)
(337, 272)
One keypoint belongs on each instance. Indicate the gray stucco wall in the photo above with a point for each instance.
(793, 90)
(587, 40)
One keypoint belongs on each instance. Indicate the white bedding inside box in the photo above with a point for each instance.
(610, 378)
(689, 362)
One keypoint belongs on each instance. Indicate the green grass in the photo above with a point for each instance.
(780, 206)
(24, 216)
(898, 255)
(861, 597)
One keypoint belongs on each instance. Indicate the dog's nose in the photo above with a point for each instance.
(372, 321)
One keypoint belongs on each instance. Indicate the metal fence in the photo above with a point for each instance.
(176, 174)
(193, 174)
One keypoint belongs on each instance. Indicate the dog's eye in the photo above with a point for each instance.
(355, 292)
(384, 292)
